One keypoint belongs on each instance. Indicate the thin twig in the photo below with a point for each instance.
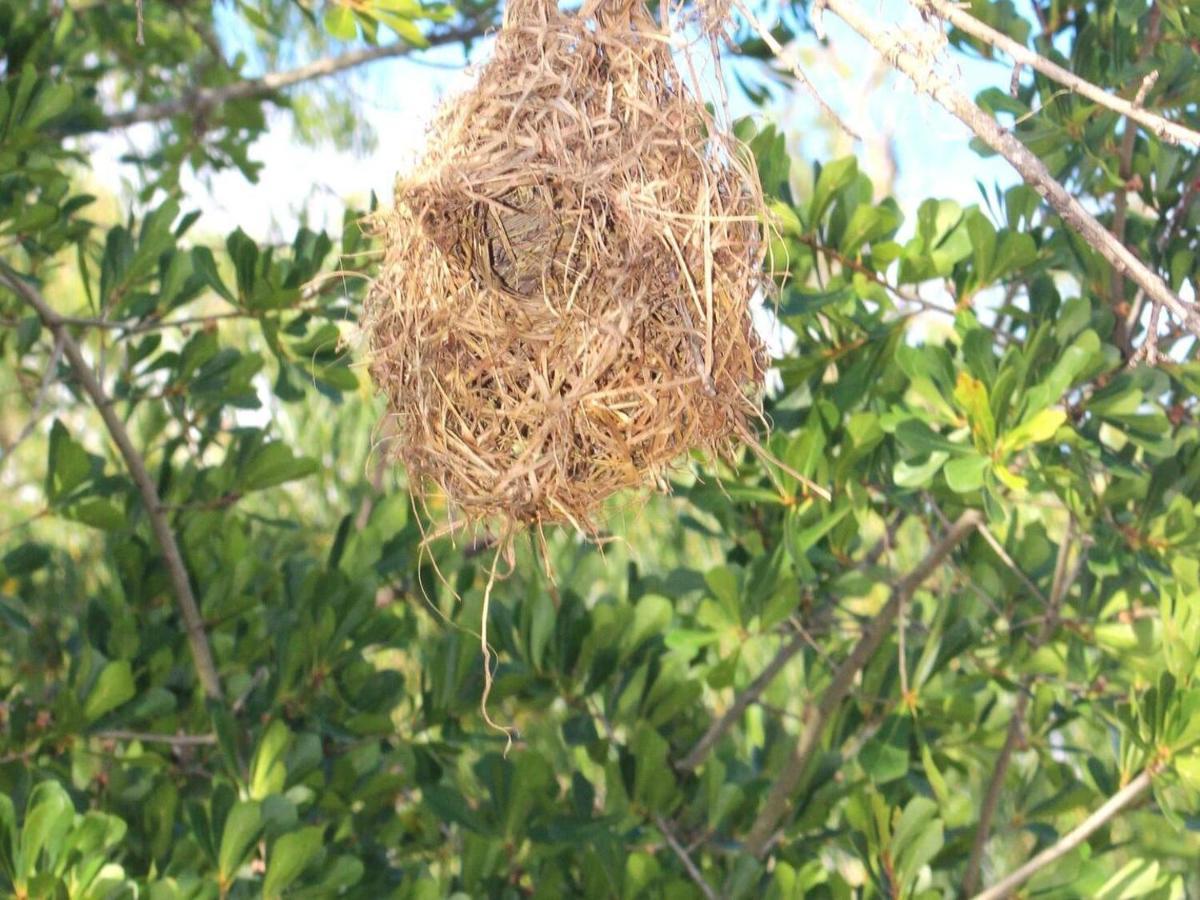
(150, 737)
(153, 324)
(204, 99)
(1058, 590)
(753, 691)
(1149, 348)
(1011, 564)
(173, 559)
(1073, 838)
(788, 60)
(680, 851)
(1031, 168)
(816, 717)
(1166, 130)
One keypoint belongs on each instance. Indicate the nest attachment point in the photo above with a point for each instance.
(563, 309)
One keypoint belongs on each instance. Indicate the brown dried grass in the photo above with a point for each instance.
(563, 309)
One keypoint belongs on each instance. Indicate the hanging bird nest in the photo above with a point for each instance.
(563, 309)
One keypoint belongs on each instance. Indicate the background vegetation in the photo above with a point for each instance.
(983, 651)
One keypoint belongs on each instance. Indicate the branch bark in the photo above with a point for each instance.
(205, 99)
(1164, 129)
(759, 838)
(194, 625)
(1022, 159)
(1072, 839)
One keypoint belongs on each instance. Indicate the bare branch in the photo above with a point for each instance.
(1031, 168)
(1164, 129)
(188, 609)
(680, 851)
(816, 717)
(205, 99)
(1072, 839)
(991, 800)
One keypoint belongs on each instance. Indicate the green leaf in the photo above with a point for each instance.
(1081, 355)
(965, 474)
(242, 827)
(917, 838)
(274, 464)
(913, 475)
(268, 772)
(68, 465)
(405, 29)
(834, 176)
(98, 513)
(983, 245)
(1042, 426)
(48, 819)
(113, 687)
(885, 757)
(972, 396)
(918, 436)
(51, 101)
(289, 856)
(340, 22)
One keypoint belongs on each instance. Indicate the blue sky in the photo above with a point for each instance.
(398, 97)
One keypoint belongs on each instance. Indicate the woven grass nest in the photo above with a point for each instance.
(563, 308)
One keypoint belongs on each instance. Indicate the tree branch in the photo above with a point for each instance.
(815, 718)
(1058, 590)
(1031, 168)
(188, 609)
(1072, 839)
(1164, 129)
(205, 99)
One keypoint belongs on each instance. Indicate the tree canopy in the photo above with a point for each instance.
(232, 665)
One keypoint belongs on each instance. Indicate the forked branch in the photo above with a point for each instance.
(193, 624)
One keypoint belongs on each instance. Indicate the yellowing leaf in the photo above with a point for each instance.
(1009, 478)
(1041, 427)
(972, 396)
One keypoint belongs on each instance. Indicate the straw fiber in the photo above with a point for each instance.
(563, 307)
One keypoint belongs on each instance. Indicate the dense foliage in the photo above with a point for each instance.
(946, 360)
